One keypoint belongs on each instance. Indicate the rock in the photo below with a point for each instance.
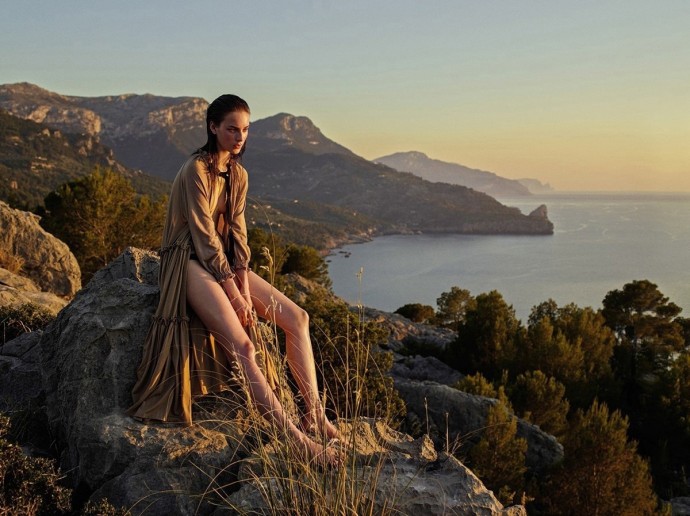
(466, 417)
(16, 290)
(83, 366)
(47, 261)
(681, 506)
(404, 333)
(89, 357)
(19, 370)
(394, 468)
(540, 212)
(424, 369)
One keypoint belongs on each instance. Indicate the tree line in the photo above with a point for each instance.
(100, 214)
(612, 385)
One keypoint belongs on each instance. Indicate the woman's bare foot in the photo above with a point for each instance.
(324, 455)
(320, 426)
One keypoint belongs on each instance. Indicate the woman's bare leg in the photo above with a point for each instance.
(209, 301)
(273, 305)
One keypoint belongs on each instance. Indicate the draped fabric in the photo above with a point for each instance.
(180, 358)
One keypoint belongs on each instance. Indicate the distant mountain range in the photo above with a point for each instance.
(293, 166)
(439, 171)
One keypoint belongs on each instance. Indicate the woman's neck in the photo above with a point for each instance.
(223, 160)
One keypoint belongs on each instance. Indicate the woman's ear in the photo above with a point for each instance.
(212, 126)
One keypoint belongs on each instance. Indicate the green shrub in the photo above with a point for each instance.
(417, 312)
(28, 486)
(15, 320)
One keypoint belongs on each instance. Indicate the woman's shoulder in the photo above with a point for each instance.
(196, 164)
(242, 171)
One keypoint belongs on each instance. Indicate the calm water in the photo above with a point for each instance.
(601, 242)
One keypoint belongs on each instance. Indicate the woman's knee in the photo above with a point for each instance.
(237, 348)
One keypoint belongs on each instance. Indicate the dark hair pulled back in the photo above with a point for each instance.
(216, 112)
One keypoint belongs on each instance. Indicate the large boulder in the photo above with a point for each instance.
(85, 364)
(88, 358)
(46, 260)
(16, 290)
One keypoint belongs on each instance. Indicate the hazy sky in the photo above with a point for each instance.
(585, 95)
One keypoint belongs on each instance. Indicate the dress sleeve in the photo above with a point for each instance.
(207, 243)
(238, 224)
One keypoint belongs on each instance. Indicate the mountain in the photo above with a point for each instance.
(535, 186)
(284, 131)
(36, 159)
(292, 164)
(146, 132)
(289, 158)
(439, 171)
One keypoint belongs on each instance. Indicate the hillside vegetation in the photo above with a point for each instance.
(35, 160)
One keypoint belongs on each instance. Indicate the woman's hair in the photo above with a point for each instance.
(216, 112)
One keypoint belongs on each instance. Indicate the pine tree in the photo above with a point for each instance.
(540, 400)
(498, 458)
(601, 474)
(99, 215)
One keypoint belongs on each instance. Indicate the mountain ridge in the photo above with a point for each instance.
(289, 158)
(438, 171)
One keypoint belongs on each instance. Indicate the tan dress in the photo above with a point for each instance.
(180, 359)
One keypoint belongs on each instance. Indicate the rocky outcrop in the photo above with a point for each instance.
(82, 368)
(422, 369)
(16, 290)
(47, 261)
(404, 333)
(462, 416)
(540, 212)
(411, 472)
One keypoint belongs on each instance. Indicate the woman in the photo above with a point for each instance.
(204, 267)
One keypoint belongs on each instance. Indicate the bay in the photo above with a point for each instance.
(601, 241)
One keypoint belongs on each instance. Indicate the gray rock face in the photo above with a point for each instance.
(47, 261)
(19, 372)
(424, 369)
(681, 506)
(404, 332)
(82, 368)
(16, 290)
(466, 417)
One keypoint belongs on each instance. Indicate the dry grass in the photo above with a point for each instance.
(277, 478)
(11, 262)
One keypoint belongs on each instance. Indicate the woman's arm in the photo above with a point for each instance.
(238, 224)
(207, 243)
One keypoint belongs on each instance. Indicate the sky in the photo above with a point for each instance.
(583, 95)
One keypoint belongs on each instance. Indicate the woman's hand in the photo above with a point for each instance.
(242, 279)
(242, 307)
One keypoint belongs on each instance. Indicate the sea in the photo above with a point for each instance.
(601, 241)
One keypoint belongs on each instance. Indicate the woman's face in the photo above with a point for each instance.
(232, 132)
